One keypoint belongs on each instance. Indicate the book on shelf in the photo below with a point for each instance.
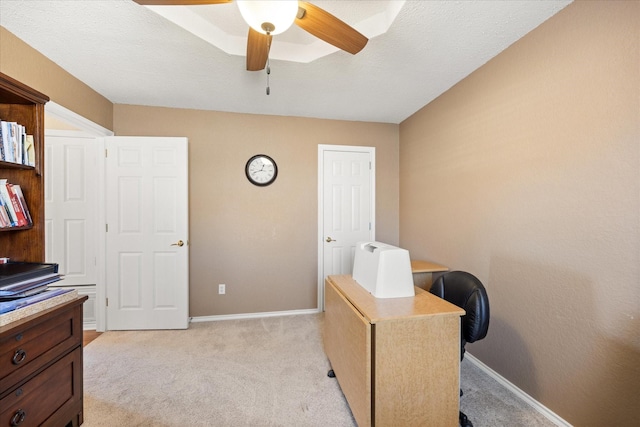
(15, 144)
(7, 148)
(21, 218)
(23, 202)
(5, 221)
(14, 203)
(2, 155)
(30, 150)
(4, 194)
(15, 141)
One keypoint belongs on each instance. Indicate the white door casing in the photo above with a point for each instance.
(147, 259)
(82, 125)
(70, 192)
(346, 207)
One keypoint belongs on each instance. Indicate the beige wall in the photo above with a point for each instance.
(527, 174)
(25, 64)
(260, 242)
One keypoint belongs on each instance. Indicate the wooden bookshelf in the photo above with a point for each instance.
(22, 104)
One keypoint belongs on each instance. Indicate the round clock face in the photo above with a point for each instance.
(261, 170)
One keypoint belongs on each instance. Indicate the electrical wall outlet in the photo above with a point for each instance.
(222, 289)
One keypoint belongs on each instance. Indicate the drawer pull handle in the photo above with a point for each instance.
(19, 357)
(18, 417)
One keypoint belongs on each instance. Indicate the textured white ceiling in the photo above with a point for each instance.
(132, 55)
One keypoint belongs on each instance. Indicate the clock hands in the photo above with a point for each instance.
(261, 170)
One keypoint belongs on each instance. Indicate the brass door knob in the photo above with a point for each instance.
(178, 243)
(329, 240)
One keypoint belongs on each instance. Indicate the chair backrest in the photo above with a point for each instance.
(467, 292)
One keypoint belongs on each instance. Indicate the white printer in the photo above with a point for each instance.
(384, 270)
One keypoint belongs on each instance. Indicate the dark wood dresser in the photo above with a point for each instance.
(41, 368)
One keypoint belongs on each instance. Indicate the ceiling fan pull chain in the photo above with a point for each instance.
(268, 72)
(268, 68)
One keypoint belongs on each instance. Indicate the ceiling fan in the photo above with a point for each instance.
(266, 20)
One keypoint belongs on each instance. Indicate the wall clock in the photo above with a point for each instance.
(261, 170)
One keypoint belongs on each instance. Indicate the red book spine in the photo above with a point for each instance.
(23, 203)
(17, 207)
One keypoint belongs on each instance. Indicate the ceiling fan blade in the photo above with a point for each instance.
(258, 46)
(327, 27)
(179, 2)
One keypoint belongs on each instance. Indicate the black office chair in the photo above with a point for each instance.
(466, 291)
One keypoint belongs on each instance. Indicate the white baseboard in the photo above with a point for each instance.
(252, 315)
(546, 412)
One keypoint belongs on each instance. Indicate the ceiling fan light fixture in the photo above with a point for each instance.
(269, 17)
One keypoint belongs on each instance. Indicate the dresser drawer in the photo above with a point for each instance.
(57, 387)
(21, 350)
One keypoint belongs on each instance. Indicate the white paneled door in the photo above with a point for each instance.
(70, 205)
(347, 207)
(147, 231)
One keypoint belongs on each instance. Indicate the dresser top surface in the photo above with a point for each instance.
(42, 315)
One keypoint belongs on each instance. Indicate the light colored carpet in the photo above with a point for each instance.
(236, 373)
(488, 404)
(257, 372)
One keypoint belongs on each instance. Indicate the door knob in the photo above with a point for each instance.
(329, 240)
(178, 243)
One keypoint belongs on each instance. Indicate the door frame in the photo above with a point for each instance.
(343, 148)
(91, 129)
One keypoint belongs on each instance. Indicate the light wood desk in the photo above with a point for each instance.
(397, 360)
(423, 273)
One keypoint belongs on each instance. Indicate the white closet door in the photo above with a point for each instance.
(346, 207)
(147, 239)
(70, 206)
